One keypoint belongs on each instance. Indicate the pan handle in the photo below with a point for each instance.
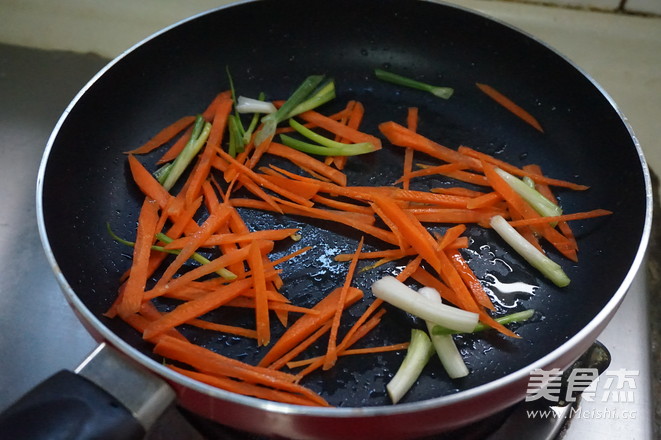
(108, 396)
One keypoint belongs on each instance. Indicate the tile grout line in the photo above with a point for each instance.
(619, 10)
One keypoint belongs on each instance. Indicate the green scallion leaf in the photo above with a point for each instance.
(441, 92)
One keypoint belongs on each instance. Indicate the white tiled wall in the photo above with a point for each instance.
(646, 6)
(630, 6)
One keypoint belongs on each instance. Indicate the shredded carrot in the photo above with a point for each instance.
(331, 352)
(132, 297)
(518, 171)
(308, 324)
(164, 136)
(561, 218)
(403, 137)
(205, 218)
(213, 363)
(510, 105)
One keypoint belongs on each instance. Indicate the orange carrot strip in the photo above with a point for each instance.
(210, 362)
(357, 221)
(346, 343)
(261, 300)
(223, 328)
(331, 351)
(218, 239)
(466, 176)
(248, 302)
(307, 324)
(307, 190)
(445, 200)
(412, 119)
(561, 218)
(210, 225)
(147, 183)
(244, 388)
(132, 297)
(458, 191)
(353, 351)
(376, 349)
(343, 206)
(485, 200)
(354, 119)
(393, 254)
(451, 215)
(409, 269)
(518, 171)
(473, 283)
(148, 313)
(430, 171)
(392, 225)
(510, 105)
(196, 308)
(299, 158)
(403, 137)
(450, 235)
(262, 180)
(226, 260)
(285, 359)
(164, 136)
(416, 235)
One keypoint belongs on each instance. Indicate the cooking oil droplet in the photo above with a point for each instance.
(515, 287)
(508, 295)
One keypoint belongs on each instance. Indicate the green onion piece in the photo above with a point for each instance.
(441, 92)
(507, 319)
(444, 345)
(253, 123)
(323, 95)
(225, 273)
(398, 294)
(352, 149)
(535, 199)
(271, 120)
(528, 181)
(417, 355)
(549, 268)
(161, 173)
(199, 136)
(320, 150)
(236, 135)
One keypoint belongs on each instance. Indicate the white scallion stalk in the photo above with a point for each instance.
(444, 345)
(252, 105)
(539, 203)
(417, 355)
(394, 292)
(549, 268)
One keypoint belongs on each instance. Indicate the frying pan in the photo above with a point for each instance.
(271, 46)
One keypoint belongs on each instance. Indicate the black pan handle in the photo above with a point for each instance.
(107, 397)
(69, 406)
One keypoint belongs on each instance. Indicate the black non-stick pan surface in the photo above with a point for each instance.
(270, 47)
